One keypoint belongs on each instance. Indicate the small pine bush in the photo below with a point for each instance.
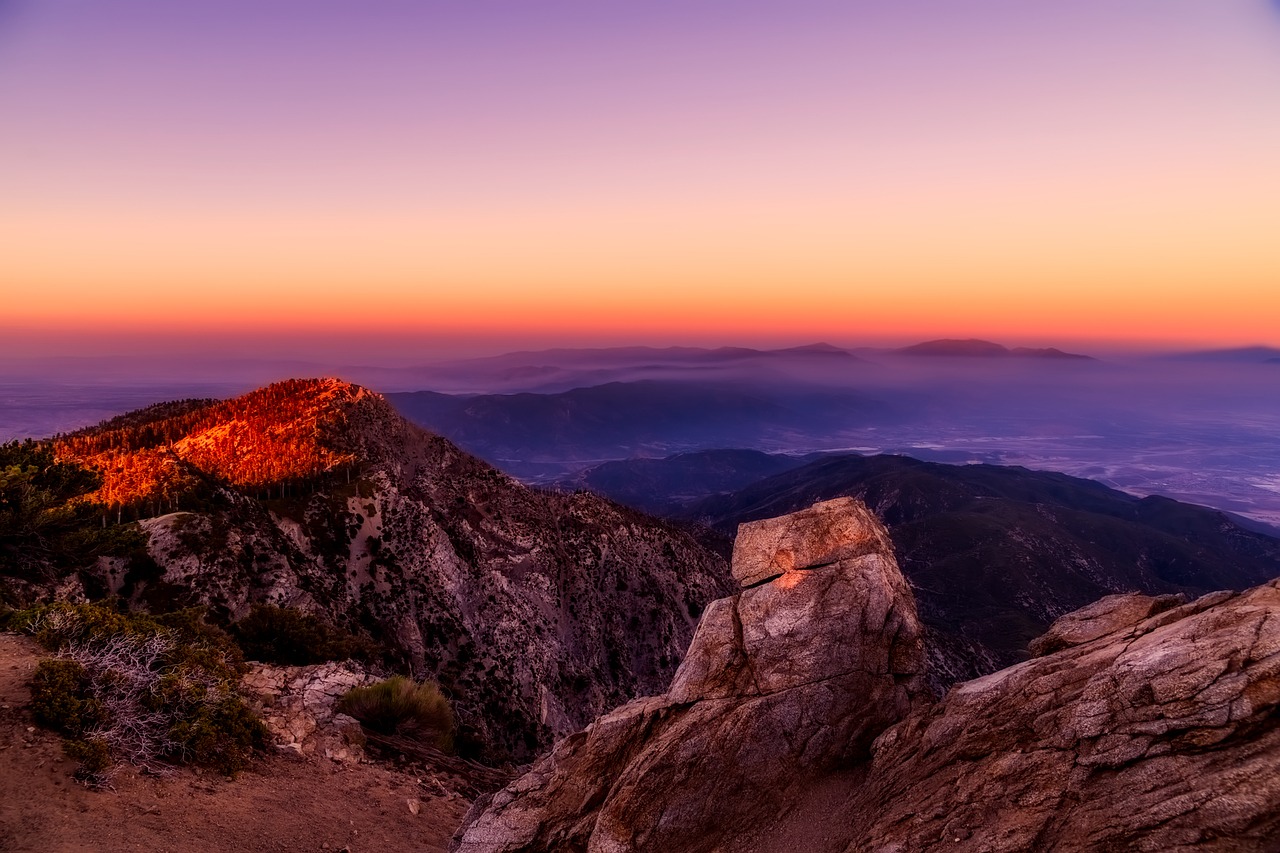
(59, 691)
(403, 709)
(284, 635)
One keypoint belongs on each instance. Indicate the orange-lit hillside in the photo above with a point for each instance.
(283, 433)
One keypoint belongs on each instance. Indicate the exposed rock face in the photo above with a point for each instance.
(823, 535)
(1144, 723)
(536, 611)
(793, 676)
(299, 707)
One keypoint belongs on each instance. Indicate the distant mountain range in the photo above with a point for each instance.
(994, 553)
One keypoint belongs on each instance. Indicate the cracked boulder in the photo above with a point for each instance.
(298, 705)
(791, 678)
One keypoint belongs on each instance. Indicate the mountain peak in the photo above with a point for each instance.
(289, 431)
(821, 348)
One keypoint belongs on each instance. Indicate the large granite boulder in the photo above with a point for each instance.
(789, 678)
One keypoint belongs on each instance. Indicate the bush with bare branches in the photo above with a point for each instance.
(128, 687)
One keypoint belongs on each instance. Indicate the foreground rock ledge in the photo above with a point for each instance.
(791, 677)
(1142, 724)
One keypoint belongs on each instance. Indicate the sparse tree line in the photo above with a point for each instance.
(269, 444)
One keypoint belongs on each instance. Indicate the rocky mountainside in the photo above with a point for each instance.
(799, 721)
(995, 553)
(534, 610)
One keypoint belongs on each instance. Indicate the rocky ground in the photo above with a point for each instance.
(285, 802)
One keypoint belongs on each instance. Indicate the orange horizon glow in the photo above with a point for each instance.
(820, 171)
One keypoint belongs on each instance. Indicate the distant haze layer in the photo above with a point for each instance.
(1200, 426)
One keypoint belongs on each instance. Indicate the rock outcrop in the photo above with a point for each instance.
(797, 722)
(793, 676)
(298, 705)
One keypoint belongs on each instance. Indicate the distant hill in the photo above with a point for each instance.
(996, 553)
(974, 348)
(557, 370)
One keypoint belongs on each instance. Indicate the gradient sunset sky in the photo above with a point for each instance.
(700, 171)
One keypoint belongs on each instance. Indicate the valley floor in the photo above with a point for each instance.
(282, 803)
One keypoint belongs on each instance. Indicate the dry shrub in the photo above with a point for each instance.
(402, 709)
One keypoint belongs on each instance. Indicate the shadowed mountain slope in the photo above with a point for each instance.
(666, 486)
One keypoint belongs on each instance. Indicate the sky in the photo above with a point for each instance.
(280, 176)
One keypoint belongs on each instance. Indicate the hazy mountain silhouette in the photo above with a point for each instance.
(975, 348)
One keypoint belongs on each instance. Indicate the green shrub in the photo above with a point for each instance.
(140, 689)
(284, 635)
(401, 708)
(58, 697)
(219, 735)
(94, 757)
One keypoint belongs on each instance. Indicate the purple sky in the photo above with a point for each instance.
(699, 171)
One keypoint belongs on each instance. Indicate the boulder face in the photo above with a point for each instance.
(792, 677)
(298, 705)
(798, 722)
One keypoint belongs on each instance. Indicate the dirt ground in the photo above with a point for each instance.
(284, 803)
